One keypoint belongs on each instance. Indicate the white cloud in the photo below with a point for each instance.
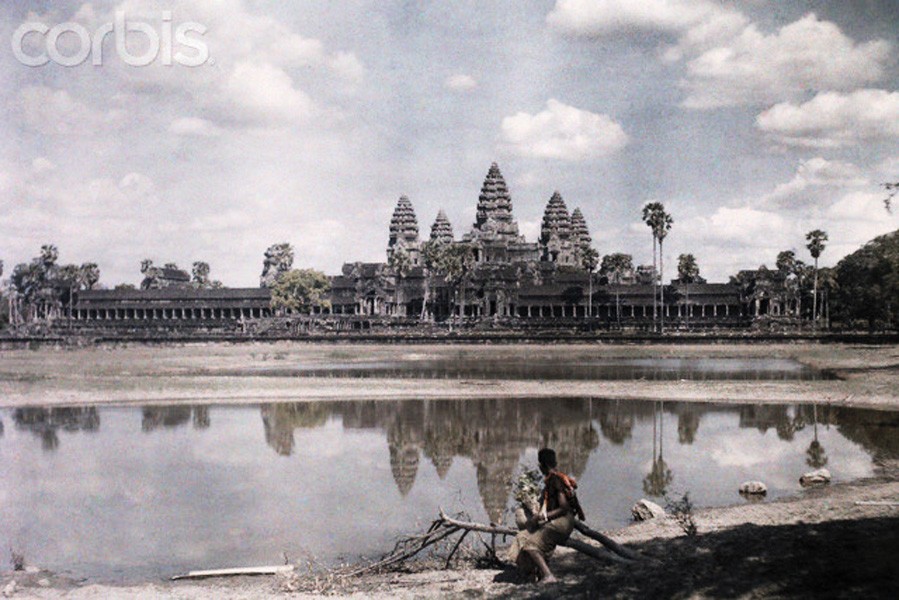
(562, 132)
(859, 206)
(729, 61)
(260, 93)
(193, 126)
(55, 112)
(742, 226)
(41, 166)
(460, 82)
(816, 173)
(347, 66)
(757, 68)
(832, 119)
(599, 17)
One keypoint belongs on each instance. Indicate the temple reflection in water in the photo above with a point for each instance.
(494, 434)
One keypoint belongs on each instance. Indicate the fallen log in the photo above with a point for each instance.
(234, 572)
(606, 541)
(615, 550)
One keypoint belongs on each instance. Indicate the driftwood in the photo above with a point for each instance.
(876, 503)
(606, 541)
(236, 572)
(615, 550)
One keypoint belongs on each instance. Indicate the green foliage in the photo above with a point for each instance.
(301, 290)
(892, 189)
(616, 266)
(527, 487)
(200, 274)
(816, 242)
(687, 268)
(589, 258)
(657, 219)
(455, 262)
(573, 295)
(868, 283)
(681, 511)
(400, 262)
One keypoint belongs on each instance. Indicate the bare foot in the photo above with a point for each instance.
(548, 579)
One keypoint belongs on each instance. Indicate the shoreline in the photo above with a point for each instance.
(732, 545)
(868, 376)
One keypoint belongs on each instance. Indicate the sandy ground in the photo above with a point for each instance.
(222, 373)
(819, 544)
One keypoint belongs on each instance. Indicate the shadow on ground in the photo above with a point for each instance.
(837, 559)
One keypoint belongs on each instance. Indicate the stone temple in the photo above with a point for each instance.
(493, 275)
(508, 277)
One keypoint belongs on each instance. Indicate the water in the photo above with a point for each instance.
(606, 369)
(126, 493)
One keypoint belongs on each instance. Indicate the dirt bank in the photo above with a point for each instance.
(222, 373)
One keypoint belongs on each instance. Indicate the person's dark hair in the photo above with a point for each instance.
(547, 457)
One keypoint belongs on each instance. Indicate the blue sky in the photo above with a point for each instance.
(754, 122)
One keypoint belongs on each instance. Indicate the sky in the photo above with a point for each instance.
(754, 122)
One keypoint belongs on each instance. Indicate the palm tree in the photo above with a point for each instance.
(430, 259)
(816, 240)
(589, 260)
(650, 212)
(614, 266)
(660, 222)
(90, 275)
(401, 264)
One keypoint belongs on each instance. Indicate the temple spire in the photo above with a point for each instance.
(404, 230)
(442, 229)
(495, 206)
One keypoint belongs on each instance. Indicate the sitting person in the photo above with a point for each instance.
(548, 527)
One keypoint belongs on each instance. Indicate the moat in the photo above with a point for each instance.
(123, 493)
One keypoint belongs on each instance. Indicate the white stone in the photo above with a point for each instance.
(646, 509)
(753, 488)
(44, 582)
(819, 477)
(10, 588)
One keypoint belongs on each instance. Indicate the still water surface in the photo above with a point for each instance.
(125, 493)
(605, 369)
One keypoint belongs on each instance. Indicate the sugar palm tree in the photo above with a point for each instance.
(614, 267)
(816, 241)
(401, 263)
(589, 260)
(660, 222)
(650, 216)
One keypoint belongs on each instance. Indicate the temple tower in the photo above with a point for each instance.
(580, 234)
(555, 232)
(494, 212)
(404, 231)
(442, 230)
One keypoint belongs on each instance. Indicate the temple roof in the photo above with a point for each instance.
(176, 293)
(403, 224)
(442, 229)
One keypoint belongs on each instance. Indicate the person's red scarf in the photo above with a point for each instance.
(569, 485)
